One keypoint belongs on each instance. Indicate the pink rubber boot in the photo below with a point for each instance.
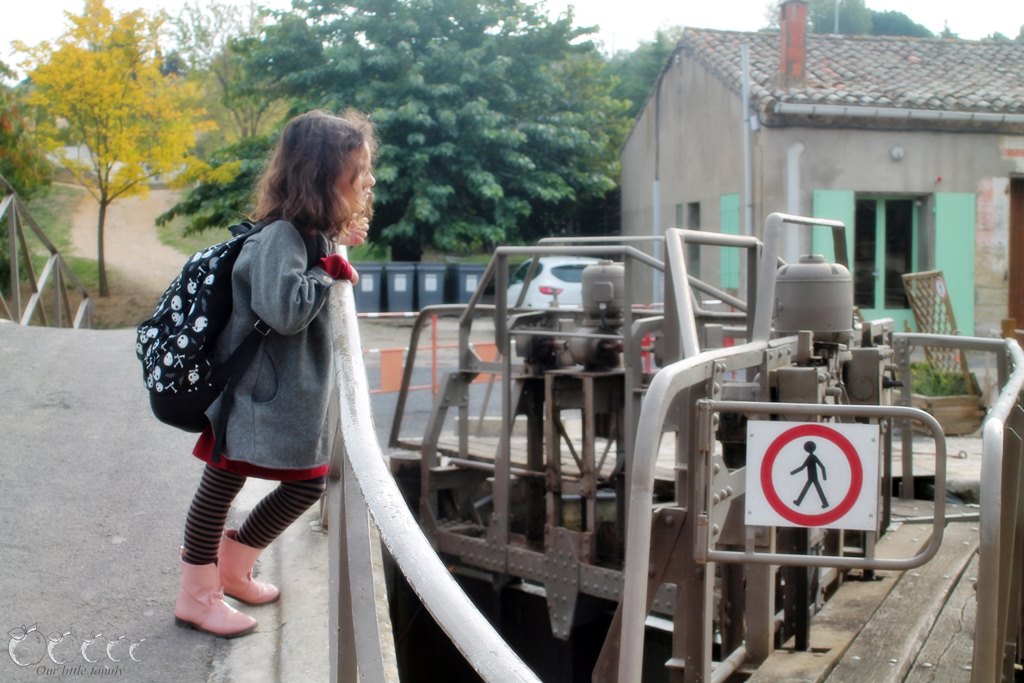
(201, 605)
(235, 561)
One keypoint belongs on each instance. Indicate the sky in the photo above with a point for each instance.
(623, 23)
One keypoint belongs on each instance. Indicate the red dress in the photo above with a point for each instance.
(204, 451)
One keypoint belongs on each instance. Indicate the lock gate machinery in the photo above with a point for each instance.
(588, 485)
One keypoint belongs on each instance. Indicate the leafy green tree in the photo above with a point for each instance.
(854, 17)
(221, 188)
(892, 23)
(496, 122)
(212, 41)
(102, 87)
(636, 71)
(22, 161)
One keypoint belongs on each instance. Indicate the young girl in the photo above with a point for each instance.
(316, 191)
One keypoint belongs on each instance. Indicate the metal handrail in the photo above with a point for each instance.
(1002, 481)
(1000, 554)
(425, 316)
(471, 633)
(55, 269)
(877, 412)
(667, 383)
(903, 342)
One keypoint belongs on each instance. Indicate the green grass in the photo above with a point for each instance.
(368, 253)
(53, 211)
(930, 380)
(173, 235)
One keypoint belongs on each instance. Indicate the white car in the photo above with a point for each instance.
(556, 280)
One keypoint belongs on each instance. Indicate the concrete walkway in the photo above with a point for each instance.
(93, 496)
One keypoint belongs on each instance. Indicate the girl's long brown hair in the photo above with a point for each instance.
(317, 153)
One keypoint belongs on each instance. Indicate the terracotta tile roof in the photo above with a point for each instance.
(871, 71)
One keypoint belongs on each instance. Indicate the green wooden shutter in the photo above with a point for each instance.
(837, 205)
(729, 221)
(954, 252)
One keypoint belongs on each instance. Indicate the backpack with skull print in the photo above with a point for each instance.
(176, 344)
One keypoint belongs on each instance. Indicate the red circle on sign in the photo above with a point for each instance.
(856, 475)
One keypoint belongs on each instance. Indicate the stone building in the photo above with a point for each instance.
(916, 144)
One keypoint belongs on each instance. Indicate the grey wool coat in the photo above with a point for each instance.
(281, 417)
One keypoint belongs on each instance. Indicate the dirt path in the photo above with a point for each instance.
(139, 265)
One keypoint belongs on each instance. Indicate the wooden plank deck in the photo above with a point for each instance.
(915, 625)
(949, 650)
(888, 645)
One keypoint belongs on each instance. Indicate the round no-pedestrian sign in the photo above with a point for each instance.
(810, 474)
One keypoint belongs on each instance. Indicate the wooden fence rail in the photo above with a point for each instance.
(55, 279)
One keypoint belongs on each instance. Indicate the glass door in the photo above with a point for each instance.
(884, 237)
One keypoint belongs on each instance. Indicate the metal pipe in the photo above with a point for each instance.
(527, 332)
(793, 193)
(727, 667)
(498, 526)
(748, 160)
(954, 342)
(657, 284)
(893, 113)
(657, 276)
(956, 517)
(720, 239)
(489, 467)
(666, 384)
(717, 239)
(595, 250)
(609, 239)
(675, 259)
(989, 633)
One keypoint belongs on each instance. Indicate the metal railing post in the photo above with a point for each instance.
(999, 550)
(374, 487)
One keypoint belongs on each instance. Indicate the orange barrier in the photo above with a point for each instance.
(391, 363)
(488, 352)
(392, 360)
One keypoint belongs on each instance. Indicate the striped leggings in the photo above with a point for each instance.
(208, 513)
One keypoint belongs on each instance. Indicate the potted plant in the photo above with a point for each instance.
(952, 398)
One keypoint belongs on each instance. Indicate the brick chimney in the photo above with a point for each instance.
(792, 42)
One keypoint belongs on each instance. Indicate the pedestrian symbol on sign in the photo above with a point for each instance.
(812, 463)
(786, 460)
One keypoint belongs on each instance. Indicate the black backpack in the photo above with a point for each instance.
(176, 344)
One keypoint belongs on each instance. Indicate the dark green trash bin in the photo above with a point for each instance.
(429, 284)
(464, 278)
(401, 286)
(369, 292)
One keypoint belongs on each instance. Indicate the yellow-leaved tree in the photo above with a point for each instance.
(114, 120)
